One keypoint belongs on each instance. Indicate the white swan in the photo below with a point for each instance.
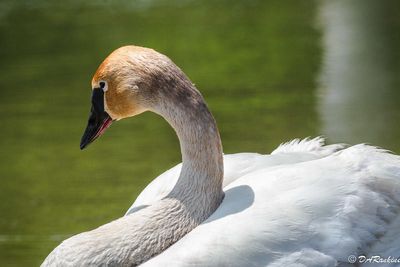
(315, 210)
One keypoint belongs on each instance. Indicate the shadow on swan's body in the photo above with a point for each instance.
(306, 204)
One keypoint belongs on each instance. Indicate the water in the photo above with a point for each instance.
(269, 70)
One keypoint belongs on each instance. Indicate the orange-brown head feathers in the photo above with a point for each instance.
(139, 79)
(121, 75)
(127, 73)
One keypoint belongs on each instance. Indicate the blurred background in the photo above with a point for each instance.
(270, 71)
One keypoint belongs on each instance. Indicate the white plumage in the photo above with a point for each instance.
(312, 213)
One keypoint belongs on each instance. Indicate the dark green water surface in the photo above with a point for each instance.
(269, 70)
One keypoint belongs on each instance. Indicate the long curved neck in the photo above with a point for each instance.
(199, 186)
(133, 239)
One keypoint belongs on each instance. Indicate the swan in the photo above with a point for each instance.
(306, 204)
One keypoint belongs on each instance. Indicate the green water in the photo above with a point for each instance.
(269, 70)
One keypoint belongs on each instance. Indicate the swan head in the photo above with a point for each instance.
(128, 82)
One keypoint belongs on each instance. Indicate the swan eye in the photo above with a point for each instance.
(103, 86)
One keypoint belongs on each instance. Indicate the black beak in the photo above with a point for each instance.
(99, 120)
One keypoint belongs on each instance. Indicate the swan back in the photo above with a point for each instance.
(319, 211)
